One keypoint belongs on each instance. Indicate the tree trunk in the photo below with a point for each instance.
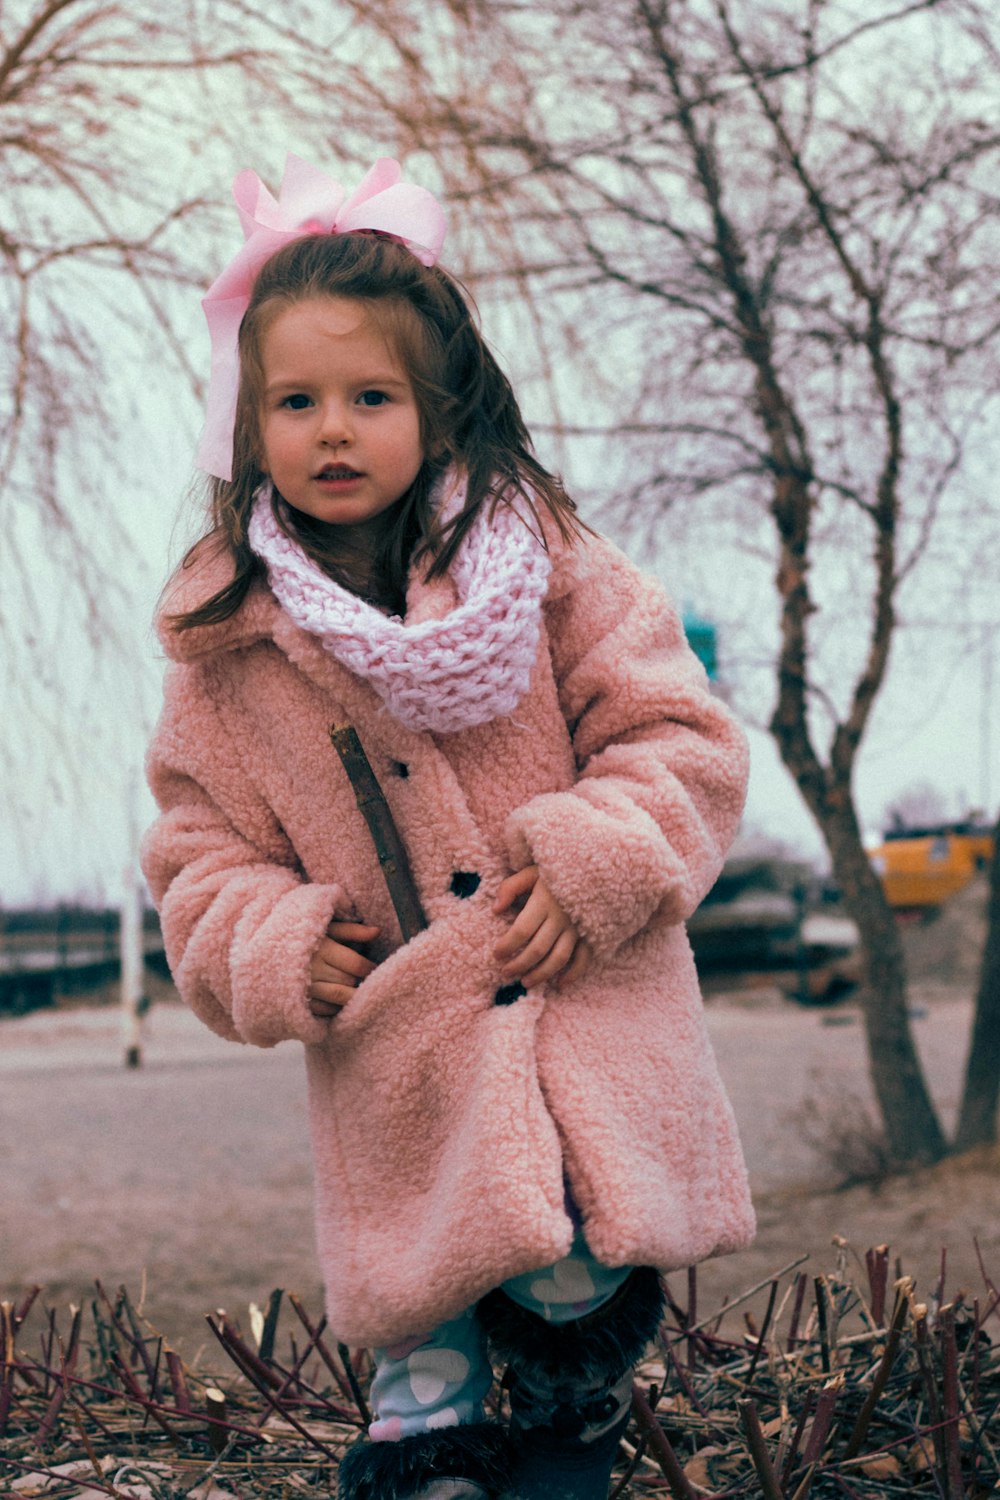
(913, 1132)
(977, 1123)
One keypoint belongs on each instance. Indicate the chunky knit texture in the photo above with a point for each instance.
(441, 675)
(444, 1123)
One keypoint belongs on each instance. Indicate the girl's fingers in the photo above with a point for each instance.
(579, 966)
(515, 886)
(352, 932)
(332, 987)
(333, 955)
(539, 944)
(555, 960)
(331, 974)
(337, 968)
(537, 910)
(327, 999)
(323, 1010)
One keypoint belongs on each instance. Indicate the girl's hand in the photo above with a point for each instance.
(542, 941)
(336, 969)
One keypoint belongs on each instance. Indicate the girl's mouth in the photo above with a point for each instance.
(334, 472)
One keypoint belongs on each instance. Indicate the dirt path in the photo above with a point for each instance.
(193, 1173)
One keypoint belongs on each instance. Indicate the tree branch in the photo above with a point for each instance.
(18, 49)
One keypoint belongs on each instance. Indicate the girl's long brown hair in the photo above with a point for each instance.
(469, 417)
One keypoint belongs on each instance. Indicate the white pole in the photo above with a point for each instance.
(133, 1003)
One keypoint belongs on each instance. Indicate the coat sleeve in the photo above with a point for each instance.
(662, 764)
(240, 922)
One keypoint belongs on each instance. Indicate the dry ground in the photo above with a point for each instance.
(191, 1176)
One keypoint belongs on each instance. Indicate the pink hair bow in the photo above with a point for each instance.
(309, 202)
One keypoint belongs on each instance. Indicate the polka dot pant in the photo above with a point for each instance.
(439, 1379)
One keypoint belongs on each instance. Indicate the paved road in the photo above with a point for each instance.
(194, 1170)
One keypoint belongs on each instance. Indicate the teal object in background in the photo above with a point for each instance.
(702, 638)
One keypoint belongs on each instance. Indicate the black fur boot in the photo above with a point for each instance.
(571, 1386)
(469, 1462)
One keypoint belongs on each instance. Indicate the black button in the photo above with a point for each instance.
(401, 768)
(464, 883)
(508, 993)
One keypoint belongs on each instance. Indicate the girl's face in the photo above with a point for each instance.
(340, 428)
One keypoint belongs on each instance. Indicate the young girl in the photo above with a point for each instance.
(516, 1116)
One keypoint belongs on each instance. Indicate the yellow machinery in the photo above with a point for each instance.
(922, 867)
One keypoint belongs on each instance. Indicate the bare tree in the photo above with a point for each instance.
(121, 126)
(783, 217)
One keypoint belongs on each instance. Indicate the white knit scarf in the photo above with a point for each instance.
(437, 675)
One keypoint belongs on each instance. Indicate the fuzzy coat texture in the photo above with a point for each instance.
(443, 1122)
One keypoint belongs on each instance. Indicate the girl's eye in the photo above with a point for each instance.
(372, 398)
(296, 402)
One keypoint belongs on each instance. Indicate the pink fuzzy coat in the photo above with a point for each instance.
(443, 1122)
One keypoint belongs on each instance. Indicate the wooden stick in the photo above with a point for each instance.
(48, 1423)
(359, 1400)
(293, 1382)
(764, 1327)
(904, 1289)
(135, 1397)
(939, 1292)
(7, 1362)
(389, 846)
(801, 1282)
(138, 1340)
(800, 1427)
(149, 1404)
(803, 1490)
(28, 1301)
(922, 1344)
(236, 1354)
(266, 1350)
(630, 1468)
(877, 1264)
(248, 1358)
(758, 1450)
(949, 1382)
(35, 1466)
(215, 1409)
(750, 1292)
(819, 1284)
(689, 1391)
(178, 1382)
(978, 1429)
(820, 1429)
(316, 1339)
(659, 1444)
(88, 1447)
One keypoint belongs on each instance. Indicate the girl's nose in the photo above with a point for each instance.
(335, 427)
